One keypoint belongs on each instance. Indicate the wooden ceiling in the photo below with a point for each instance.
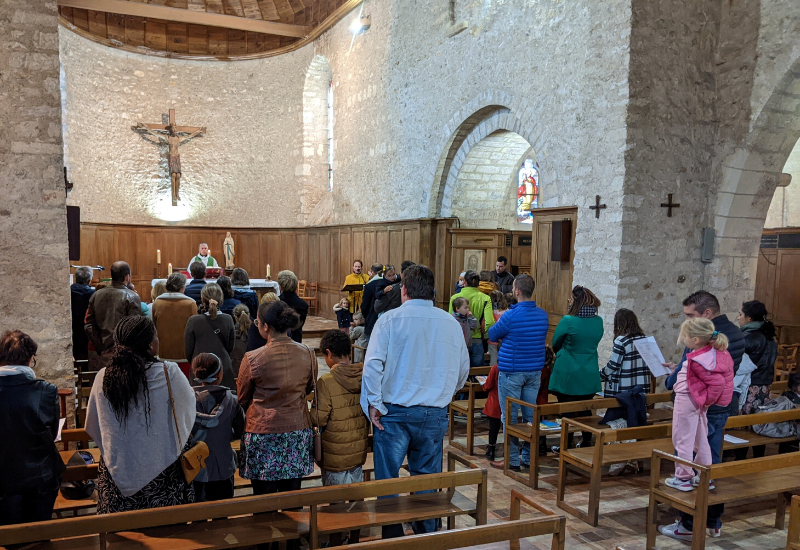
(203, 29)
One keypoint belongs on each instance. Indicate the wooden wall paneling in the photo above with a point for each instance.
(197, 39)
(155, 34)
(358, 247)
(134, 30)
(248, 247)
(80, 18)
(396, 247)
(314, 255)
(382, 251)
(270, 251)
(106, 250)
(370, 247)
(765, 277)
(787, 306)
(217, 41)
(115, 26)
(177, 37)
(97, 23)
(300, 251)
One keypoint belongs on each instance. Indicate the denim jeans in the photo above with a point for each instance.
(716, 429)
(417, 432)
(354, 475)
(524, 386)
(476, 354)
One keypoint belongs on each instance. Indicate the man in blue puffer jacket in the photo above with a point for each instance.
(523, 331)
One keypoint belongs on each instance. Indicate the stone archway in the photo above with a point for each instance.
(487, 113)
(750, 176)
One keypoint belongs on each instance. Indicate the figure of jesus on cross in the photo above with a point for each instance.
(173, 135)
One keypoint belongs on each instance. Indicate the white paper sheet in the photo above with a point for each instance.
(733, 440)
(482, 379)
(650, 352)
(60, 427)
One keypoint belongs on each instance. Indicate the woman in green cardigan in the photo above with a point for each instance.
(576, 373)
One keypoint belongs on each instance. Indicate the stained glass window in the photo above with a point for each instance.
(527, 191)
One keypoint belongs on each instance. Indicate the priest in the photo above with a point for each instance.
(356, 278)
(204, 257)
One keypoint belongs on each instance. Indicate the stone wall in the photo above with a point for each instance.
(247, 171)
(35, 293)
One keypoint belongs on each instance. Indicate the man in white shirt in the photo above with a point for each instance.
(415, 362)
(204, 257)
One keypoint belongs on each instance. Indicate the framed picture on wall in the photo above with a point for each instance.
(473, 260)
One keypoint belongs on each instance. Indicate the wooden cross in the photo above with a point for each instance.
(669, 205)
(173, 135)
(597, 206)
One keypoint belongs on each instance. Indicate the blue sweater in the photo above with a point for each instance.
(523, 330)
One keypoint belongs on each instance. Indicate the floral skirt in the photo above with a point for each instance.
(273, 457)
(169, 488)
(756, 396)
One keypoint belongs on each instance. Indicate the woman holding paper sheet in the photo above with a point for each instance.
(576, 373)
(625, 369)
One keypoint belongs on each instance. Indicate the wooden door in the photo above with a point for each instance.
(553, 278)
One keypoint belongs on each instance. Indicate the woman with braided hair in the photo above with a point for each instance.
(576, 372)
(139, 433)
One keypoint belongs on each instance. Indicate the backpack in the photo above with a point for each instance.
(777, 429)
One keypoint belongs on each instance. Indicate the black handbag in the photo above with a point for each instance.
(78, 490)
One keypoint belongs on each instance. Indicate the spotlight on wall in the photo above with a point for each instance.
(362, 24)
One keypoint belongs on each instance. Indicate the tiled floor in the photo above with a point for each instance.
(747, 525)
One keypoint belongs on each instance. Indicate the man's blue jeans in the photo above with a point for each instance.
(524, 386)
(476, 354)
(417, 432)
(716, 429)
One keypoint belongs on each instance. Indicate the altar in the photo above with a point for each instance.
(261, 286)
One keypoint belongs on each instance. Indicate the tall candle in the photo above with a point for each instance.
(267, 271)
(169, 269)
(158, 257)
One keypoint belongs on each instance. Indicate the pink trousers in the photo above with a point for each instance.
(689, 435)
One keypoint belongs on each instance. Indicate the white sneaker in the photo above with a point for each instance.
(696, 482)
(675, 531)
(684, 485)
(713, 532)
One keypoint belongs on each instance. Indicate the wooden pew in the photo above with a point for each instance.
(550, 411)
(793, 536)
(265, 518)
(744, 479)
(589, 461)
(467, 407)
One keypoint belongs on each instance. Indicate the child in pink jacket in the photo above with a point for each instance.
(706, 379)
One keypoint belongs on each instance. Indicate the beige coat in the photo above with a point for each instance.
(346, 429)
(171, 312)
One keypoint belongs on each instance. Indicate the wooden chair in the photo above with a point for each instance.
(786, 363)
(793, 536)
(638, 444)
(734, 481)
(307, 513)
(553, 411)
(308, 292)
(467, 407)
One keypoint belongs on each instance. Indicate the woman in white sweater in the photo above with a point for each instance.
(130, 417)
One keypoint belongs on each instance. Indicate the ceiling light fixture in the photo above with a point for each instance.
(360, 25)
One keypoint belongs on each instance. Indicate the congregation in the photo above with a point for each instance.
(208, 363)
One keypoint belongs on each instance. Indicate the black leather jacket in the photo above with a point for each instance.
(29, 412)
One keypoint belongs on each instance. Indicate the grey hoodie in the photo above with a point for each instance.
(220, 420)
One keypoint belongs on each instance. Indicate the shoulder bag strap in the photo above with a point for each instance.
(314, 382)
(172, 404)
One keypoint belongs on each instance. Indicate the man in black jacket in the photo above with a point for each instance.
(502, 277)
(390, 298)
(80, 293)
(705, 304)
(195, 286)
(368, 300)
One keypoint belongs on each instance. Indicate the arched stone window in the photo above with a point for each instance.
(527, 191)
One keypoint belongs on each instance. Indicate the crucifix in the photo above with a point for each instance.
(173, 135)
(669, 205)
(597, 206)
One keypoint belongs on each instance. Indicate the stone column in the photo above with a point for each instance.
(34, 291)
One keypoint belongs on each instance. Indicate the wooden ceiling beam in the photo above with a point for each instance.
(151, 11)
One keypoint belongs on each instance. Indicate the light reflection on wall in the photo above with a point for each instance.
(162, 208)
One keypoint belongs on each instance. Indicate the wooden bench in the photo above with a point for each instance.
(467, 407)
(245, 521)
(793, 536)
(550, 411)
(590, 461)
(741, 480)
(511, 531)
